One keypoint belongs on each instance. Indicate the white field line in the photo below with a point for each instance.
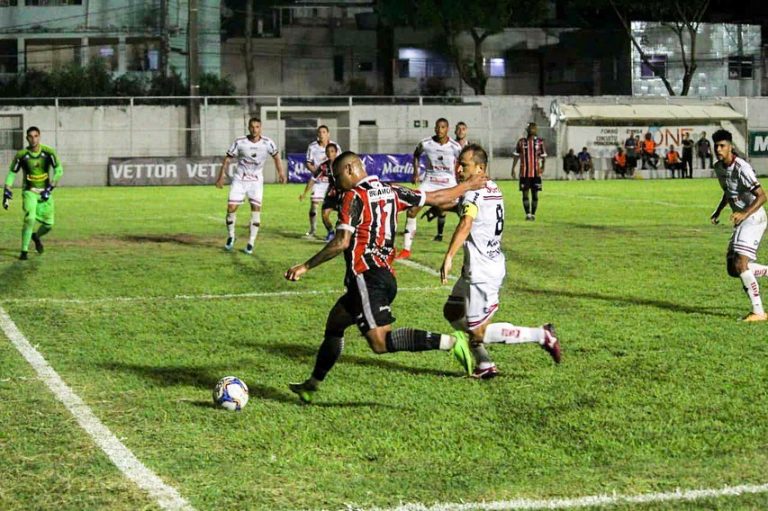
(256, 294)
(165, 496)
(615, 199)
(592, 501)
(422, 267)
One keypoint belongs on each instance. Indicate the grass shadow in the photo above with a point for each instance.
(179, 239)
(14, 276)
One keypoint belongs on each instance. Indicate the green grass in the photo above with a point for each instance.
(660, 387)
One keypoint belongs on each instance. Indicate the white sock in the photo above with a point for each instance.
(482, 357)
(446, 342)
(758, 270)
(231, 219)
(255, 221)
(508, 333)
(410, 231)
(753, 291)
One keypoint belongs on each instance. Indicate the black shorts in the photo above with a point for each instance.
(331, 201)
(369, 298)
(530, 183)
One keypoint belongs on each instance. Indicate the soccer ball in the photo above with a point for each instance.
(230, 393)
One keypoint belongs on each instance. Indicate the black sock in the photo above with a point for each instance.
(329, 353)
(411, 339)
(534, 202)
(440, 225)
(526, 204)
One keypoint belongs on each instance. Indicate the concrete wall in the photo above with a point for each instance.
(85, 137)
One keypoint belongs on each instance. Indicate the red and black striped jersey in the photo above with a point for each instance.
(369, 212)
(530, 151)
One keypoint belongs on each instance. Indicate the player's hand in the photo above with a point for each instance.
(46, 193)
(220, 183)
(476, 181)
(282, 179)
(296, 272)
(415, 179)
(738, 217)
(301, 197)
(445, 270)
(7, 195)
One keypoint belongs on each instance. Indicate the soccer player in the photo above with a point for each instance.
(531, 154)
(460, 131)
(365, 233)
(315, 158)
(440, 173)
(248, 181)
(42, 171)
(475, 296)
(742, 191)
(325, 173)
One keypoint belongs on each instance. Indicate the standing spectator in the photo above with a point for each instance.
(687, 156)
(673, 162)
(638, 150)
(585, 163)
(630, 147)
(531, 154)
(704, 150)
(649, 152)
(571, 164)
(619, 163)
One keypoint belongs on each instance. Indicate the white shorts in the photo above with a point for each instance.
(318, 191)
(440, 182)
(746, 237)
(240, 189)
(480, 300)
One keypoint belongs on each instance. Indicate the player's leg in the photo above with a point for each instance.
(535, 189)
(742, 251)
(30, 200)
(454, 311)
(255, 194)
(339, 318)
(45, 216)
(526, 201)
(237, 192)
(312, 219)
(440, 226)
(410, 232)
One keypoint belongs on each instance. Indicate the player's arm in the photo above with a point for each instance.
(334, 247)
(9, 179)
(460, 235)
(715, 216)
(281, 177)
(740, 216)
(222, 170)
(416, 164)
(444, 198)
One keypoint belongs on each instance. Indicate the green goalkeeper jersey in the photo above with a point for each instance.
(37, 168)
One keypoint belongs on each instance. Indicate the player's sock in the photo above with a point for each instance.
(411, 339)
(753, 291)
(46, 228)
(231, 219)
(534, 201)
(758, 270)
(526, 204)
(482, 357)
(27, 228)
(440, 225)
(327, 355)
(255, 223)
(312, 218)
(508, 333)
(410, 232)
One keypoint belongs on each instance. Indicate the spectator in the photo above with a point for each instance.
(687, 156)
(673, 162)
(704, 150)
(649, 152)
(619, 163)
(571, 164)
(585, 164)
(630, 148)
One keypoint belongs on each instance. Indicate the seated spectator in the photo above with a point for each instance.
(673, 162)
(620, 163)
(585, 163)
(649, 153)
(571, 164)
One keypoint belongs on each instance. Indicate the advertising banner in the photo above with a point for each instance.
(758, 143)
(388, 167)
(163, 171)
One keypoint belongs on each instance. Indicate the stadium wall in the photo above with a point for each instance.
(86, 136)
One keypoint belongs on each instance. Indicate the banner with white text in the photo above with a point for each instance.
(163, 171)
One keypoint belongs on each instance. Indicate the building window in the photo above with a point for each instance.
(338, 68)
(9, 56)
(52, 3)
(104, 49)
(142, 54)
(419, 63)
(365, 66)
(741, 66)
(11, 133)
(8, 3)
(659, 62)
(497, 67)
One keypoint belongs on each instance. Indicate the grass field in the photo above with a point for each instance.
(140, 311)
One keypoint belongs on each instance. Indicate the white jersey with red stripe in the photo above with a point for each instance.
(483, 259)
(441, 161)
(738, 181)
(251, 156)
(316, 155)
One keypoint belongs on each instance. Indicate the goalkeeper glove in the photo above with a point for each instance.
(7, 195)
(46, 193)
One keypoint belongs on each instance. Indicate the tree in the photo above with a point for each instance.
(682, 17)
(479, 20)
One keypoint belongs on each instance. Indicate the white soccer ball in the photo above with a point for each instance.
(231, 393)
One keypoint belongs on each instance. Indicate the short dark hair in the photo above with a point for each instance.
(340, 158)
(443, 119)
(479, 155)
(333, 144)
(33, 128)
(323, 126)
(721, 135)
(254, 119)
(461, 123)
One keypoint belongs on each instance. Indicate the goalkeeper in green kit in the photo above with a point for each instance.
(42, 171)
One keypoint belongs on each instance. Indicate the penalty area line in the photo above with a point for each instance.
(164, 495)
(590, 501)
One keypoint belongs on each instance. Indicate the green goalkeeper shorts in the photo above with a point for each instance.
(43, 210)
